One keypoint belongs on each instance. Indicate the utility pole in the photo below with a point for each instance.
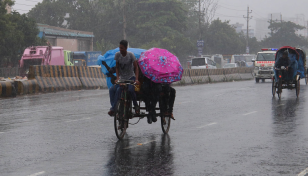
(124, 21)
(247, 35)
(281, 18)
(271, 24)
(200, 30)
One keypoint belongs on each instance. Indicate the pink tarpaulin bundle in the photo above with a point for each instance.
(160, 66)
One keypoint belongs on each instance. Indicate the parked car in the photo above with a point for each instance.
(231, 65)
(202, 63)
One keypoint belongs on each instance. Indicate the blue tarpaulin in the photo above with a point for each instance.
(109, 59)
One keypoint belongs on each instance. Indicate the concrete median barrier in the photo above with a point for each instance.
(232, 74)
(216, 75)
(91, 78)
(27, 87)
(245, 73)
(7, 89)
(198, 76)
(55, 78)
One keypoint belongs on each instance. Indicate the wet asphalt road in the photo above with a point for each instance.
(220, 129)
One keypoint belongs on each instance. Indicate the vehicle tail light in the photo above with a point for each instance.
(207, 66)
(279, 76)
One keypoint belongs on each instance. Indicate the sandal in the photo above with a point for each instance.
(137, 110)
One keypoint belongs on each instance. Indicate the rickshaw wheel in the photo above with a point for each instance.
(306, 76)
(273, 87)
(297, 87)
(279, 88)
(165, 124)
(120, 124)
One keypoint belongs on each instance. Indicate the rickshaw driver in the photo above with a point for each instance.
(126, 63)
(286, 62)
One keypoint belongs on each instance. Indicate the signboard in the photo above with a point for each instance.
(247, 49)
(200, 44)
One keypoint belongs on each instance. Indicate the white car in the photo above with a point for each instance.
(202, 63)
(231, 65)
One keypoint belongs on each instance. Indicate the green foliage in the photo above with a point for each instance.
(284, 33)
(222, 38)
(16, 33)
(150, 23)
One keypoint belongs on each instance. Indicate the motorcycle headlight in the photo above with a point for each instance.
(256, 68)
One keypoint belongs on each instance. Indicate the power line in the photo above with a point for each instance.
(24, 4)
(230, 8)
(222, 15)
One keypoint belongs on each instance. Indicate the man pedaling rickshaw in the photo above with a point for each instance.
(126, 64)
(286, 62)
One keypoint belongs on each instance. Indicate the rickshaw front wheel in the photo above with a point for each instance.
(120, 122)
(297, 87)
(306, 76)
(273, 87)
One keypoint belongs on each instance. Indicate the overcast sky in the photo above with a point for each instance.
(232, 10)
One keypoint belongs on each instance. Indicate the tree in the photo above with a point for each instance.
(150, 23)
(16, 33)
(50, 12)
(284, 33)
(223, 39)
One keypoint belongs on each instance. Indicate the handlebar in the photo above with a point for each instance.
(280, 68)
(126, 82)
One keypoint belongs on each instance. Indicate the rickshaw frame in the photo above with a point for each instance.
(294, 83)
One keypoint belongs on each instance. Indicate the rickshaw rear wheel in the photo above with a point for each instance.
(298, 85)
(273, 87)
(165, 124)
(257, 80)
(263, 80)
(120, 123)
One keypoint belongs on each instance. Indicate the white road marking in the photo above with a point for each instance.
(280, 105)
(218, 95)
(37, 174)
(303, 173)
(78, 120)
(1, 132)
(139, 145)
(250, 113)
(210, 124)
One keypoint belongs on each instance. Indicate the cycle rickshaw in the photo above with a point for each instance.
(124, 110)
(281, 79)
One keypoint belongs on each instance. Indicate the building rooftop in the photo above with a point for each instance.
(57, 31)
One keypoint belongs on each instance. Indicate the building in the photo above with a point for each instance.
(251, 32)
(262, 28)
(238, 27)
(71, 40)
(262, 24)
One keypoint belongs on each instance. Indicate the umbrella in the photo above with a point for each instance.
(160, 66)
(108, 57)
